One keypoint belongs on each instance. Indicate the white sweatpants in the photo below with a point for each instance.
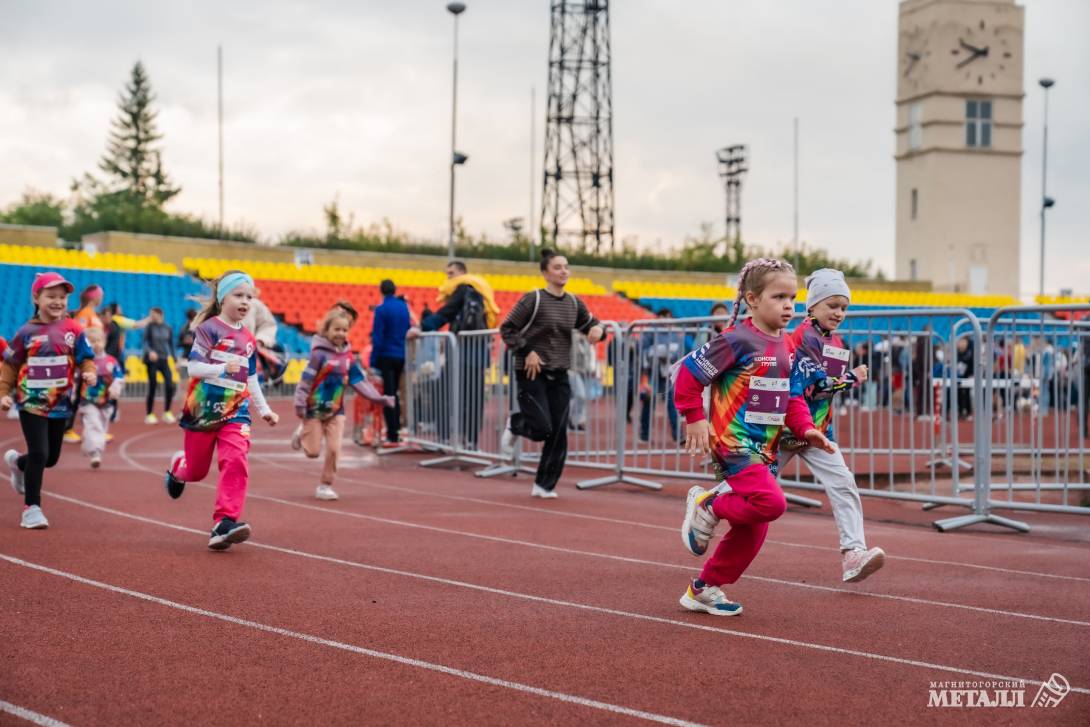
(578, 398)
(832, 472)
(96, 422)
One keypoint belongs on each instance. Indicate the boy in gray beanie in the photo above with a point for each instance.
(821, 362)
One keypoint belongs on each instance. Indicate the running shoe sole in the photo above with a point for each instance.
(868, 567)
(694, 605)
(686, 526)
(222, 542)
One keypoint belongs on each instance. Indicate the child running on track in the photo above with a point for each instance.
(223, 386)
(319, 396)
(40, 366)
(822, 363)
(97, 402)
(749, 367)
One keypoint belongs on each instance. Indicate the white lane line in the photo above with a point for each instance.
(637, 561)
(386, 656)
(570, 551)
(30, 715)
(568, 604)
(652, 526)
(626, 522)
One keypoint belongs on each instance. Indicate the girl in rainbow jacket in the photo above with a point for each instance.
(749, 367)
(223, 389)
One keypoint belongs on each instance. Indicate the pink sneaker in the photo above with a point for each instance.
(858, 564)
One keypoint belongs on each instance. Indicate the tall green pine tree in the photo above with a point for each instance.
(132, 159)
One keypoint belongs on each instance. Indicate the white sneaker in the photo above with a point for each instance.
(10, 458)
(34, 518)
(325, 492)
(539, 491)
(96, 462)
(168, 417)
(859, 563)
(710, 599)
(699, 524)
(297, 438)
(507, 443)
(151, 419)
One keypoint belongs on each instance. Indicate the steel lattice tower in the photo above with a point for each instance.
(577, 205)
(733, 164)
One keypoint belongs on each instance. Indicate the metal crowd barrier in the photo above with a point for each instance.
(920, 429)
(1036, 405)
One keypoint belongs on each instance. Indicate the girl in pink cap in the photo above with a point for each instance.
(40, 367)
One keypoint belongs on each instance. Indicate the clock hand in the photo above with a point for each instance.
(966, 46)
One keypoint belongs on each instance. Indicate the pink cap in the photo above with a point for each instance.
(49, 280)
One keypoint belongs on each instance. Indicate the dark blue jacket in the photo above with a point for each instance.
(389, 329)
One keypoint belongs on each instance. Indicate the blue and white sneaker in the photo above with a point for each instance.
(227, 533)
(699, 524)
(175, 487)
(710, 599)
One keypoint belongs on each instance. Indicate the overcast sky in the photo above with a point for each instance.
(352, 99)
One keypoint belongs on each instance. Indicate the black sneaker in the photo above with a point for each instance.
(227, 533)
(175, 487)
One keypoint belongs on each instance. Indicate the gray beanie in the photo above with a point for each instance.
(825, 283)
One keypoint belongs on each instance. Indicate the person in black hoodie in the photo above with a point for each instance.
(158, 351)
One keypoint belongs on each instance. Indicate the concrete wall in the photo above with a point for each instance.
(28, 235)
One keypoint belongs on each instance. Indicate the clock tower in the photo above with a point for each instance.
(959, 144)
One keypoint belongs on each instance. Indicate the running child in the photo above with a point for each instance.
(97, 402)
(319, 396)
(749, 369)
(223, 388)
(40, 366)
(821, 360)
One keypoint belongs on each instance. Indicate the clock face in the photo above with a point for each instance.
(915, 59)
(983, 53)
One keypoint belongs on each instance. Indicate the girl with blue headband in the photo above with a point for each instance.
(223, 387)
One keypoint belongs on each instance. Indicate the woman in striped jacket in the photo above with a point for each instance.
(538, 331)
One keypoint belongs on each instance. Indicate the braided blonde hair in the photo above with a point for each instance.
(751, 279)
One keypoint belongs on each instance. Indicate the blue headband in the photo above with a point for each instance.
(229, 283)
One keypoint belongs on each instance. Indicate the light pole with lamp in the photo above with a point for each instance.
(1046, 201)
(456, 158)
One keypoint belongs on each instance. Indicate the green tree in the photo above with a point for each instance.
(133, 160)
(35, 208)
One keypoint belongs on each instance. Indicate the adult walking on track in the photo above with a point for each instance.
(391, 323)
(538, 330)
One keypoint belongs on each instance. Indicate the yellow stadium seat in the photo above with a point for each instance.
(209, 268)
(81, 259)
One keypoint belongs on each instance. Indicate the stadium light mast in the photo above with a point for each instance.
(733, 164)
(456, 158)
(1046, 201)
(219, 114)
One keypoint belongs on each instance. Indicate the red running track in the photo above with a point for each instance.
(428, 596)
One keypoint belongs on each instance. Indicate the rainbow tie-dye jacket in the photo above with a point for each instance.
(212, 403)
(108, 370)
(330, 371)
(821, 371)
(47, 356)
(749, 373)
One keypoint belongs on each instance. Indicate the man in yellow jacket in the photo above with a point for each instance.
(467, 304)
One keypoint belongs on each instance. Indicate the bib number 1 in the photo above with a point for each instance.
(47, 372)
(766, 401)
(835, 360)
